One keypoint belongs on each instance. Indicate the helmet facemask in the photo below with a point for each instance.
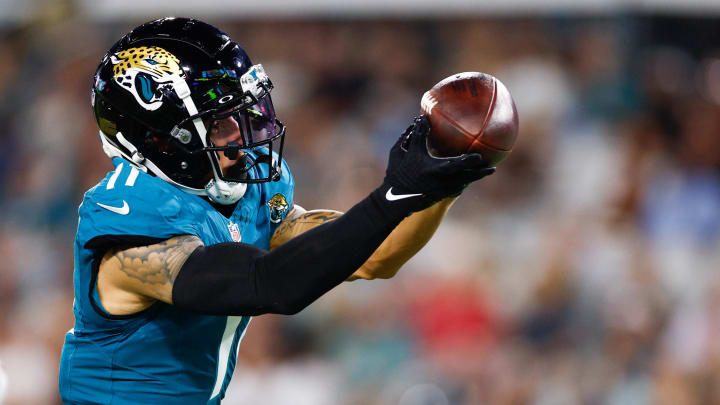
(252, 111)
(260, 132)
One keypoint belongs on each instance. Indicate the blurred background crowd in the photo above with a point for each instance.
(583, 272)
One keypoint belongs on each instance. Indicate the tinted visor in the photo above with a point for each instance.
(257, 122)
(261, 134)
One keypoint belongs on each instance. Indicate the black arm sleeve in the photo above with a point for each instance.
(241, 279)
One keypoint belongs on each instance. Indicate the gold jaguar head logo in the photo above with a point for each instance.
(139, 70)
(152, 59)
(278, 206)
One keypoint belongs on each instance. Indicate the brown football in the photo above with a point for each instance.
(471, 112)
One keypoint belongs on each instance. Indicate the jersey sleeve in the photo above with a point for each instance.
(132, 207)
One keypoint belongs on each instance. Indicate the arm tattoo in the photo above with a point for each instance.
(158, 263)
(295, 225)
(319, 216)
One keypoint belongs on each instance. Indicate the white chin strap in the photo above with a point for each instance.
(218, 190)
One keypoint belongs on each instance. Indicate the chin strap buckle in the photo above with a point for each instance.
(135, 154)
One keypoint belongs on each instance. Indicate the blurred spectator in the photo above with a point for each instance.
(583, 272)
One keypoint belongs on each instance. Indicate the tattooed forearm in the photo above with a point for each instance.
(319, 216)
(314, 218)
(294, 225)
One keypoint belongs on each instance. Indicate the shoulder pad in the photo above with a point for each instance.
(130, 202)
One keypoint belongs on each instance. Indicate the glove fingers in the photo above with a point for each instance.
(472, 161)
(404, 138)
(411, 169)
(419, 133)
(422, 125)
(469, 176)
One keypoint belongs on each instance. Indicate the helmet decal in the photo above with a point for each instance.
(139, 70)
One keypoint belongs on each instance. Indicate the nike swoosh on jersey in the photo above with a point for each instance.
(124, 210)
(394, 197)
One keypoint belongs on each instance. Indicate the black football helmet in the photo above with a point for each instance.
(159, 91)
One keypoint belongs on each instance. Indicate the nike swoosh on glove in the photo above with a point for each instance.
(412, 170)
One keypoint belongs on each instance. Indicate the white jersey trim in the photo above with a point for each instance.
(113, 178)
(224, 352)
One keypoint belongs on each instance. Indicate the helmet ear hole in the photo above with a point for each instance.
(164, 146)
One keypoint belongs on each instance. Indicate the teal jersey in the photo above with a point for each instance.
(162, 355)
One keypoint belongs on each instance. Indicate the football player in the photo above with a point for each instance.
(196, 230)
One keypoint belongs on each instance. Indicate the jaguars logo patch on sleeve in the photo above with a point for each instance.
(278, 206)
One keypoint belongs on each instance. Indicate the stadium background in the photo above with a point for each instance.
(583, 272)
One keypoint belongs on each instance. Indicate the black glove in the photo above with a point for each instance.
(414, 180)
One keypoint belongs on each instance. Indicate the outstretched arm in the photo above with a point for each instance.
(241, 279)
(402, 243)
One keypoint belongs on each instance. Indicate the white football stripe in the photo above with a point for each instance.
(428, 102)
